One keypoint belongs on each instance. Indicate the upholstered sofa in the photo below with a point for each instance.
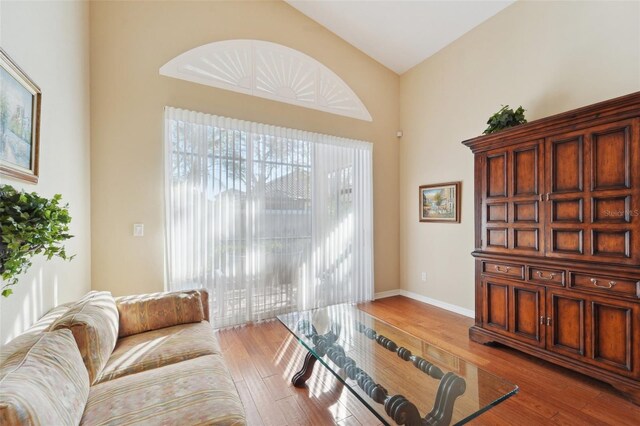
(146, 360)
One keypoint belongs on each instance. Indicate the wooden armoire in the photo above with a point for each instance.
(557, 237)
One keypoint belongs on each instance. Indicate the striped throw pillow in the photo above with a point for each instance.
(146, 312)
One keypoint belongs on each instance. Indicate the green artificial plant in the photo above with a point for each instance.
(29, 225)
(505, 118)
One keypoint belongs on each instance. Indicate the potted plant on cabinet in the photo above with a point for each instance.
(505, 118)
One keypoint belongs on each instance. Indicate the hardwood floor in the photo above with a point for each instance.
(263, 357)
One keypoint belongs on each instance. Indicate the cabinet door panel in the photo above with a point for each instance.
(567, 211)
(496, 306)
(566, 164)
(610, 158)
(611, 243)
(612, 325)
(497, 238)
(567, 241)
(565, 203)
(525, 171)
(611, 335)
(528, 314)
(566, 331)
(526, 239)
(607, 210)
(495, 232)
(614, 176)
(595, 330)
(497, 213)
(525, 211)
(593, 196)
(512, 184)
(496, 175)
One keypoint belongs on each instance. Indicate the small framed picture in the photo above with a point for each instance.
(19, 122)
(440, 202)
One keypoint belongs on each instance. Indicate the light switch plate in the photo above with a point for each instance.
(138, 229)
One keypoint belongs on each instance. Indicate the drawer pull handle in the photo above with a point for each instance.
(609, 284)
(505, 269)
(541, 320)
(540, 274)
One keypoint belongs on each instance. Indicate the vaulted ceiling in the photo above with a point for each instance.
(399, 34)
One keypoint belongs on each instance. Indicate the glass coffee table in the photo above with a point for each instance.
(399, 377)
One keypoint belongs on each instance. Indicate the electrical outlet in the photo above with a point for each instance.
(138, 229)
(424, 276)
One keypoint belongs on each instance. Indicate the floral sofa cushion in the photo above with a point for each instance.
(93, 320)
(197, 391)
(148, 312)
(43, 380)
(157, 348)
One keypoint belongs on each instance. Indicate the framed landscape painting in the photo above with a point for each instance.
(440, 202)
(19, 122)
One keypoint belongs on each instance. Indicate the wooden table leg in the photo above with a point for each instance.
(299, 379)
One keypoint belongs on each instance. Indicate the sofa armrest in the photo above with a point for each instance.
(204, 297)
(146, 312)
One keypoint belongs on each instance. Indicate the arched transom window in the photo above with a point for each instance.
(267, 70)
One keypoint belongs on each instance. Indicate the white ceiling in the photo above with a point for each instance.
(399, 34)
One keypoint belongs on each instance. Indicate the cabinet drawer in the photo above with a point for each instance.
(503, 269)
(605, 284)
(546, 276)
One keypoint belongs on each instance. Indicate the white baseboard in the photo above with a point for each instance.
(415, 296)
(389, 293)
(444, 305)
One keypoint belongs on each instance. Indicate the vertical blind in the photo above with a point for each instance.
(267, 219)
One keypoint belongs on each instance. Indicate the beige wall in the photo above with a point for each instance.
(49, 40)
(547, 56)
(130, 41)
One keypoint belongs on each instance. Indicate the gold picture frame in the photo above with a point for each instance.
(440, 202)
(20, 100)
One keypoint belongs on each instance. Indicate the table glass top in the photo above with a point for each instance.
(399, 377)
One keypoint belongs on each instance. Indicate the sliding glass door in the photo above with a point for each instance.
(267, 219)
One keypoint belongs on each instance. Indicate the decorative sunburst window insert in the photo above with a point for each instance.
(267, 70)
